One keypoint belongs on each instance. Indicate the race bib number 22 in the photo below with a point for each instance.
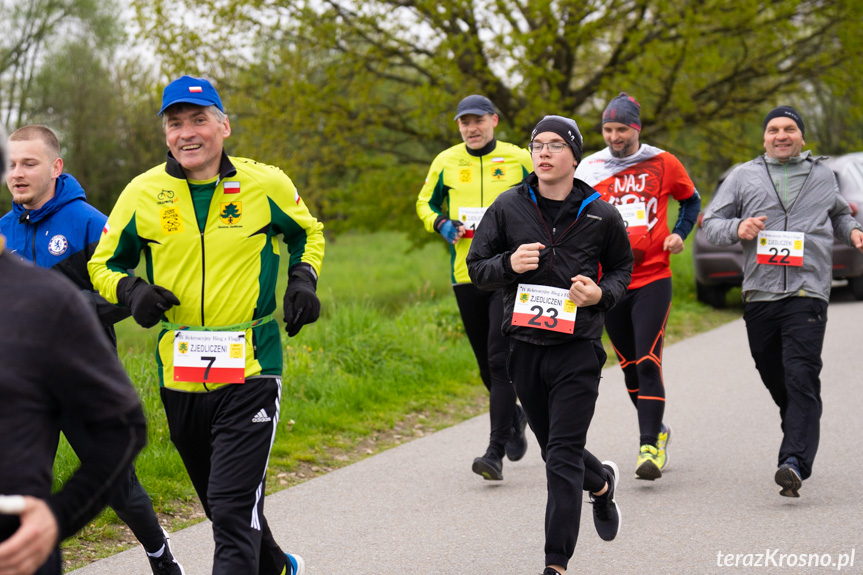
(779, 248)
(544, 307)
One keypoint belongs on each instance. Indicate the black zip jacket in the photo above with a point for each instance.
(58, 365)
(587, 234)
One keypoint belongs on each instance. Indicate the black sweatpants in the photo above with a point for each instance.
(482, 315)
(225, 438)
(558, 386)
(130, 501)
(785, 339)
(636, 328)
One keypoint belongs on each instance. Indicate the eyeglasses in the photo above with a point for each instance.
(553, 147)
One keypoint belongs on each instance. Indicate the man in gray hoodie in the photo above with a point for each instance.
(786, 209)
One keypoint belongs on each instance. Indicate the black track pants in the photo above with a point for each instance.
(482, 315)
(636, 328)
(785, 339)
(224, 438)
(130, 501)
(558, 386)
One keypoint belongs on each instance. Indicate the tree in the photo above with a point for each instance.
(28, 27)
(103, 107)
(376, 81)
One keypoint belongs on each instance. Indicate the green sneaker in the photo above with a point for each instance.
(662, 445)
(647, 466)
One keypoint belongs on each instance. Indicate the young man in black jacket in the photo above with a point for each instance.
(543, 243)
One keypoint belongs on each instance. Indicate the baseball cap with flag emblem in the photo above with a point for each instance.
(191, 91)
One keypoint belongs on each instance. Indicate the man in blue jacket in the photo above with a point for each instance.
(52, 225)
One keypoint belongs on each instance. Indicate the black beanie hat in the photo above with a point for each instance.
(788, 112)
(624, 109)
(566, 128)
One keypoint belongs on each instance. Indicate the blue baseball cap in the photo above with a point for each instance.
(190, 90)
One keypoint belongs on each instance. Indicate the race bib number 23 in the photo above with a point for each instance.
(544, 307)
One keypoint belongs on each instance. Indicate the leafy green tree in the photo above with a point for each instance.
(361, 93)
(104, 112)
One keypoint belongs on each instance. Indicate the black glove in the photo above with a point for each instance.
(301, 304)
(147, 302)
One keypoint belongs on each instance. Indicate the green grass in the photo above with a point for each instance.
(387, 361)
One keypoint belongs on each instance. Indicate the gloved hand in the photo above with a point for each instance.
(449, 229)
(148, 302)
(301, 304)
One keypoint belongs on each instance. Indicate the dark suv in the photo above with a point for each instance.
(719, 268)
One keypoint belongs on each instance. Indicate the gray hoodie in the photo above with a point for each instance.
(818, 211)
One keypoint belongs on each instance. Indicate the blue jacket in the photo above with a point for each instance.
(62, 235)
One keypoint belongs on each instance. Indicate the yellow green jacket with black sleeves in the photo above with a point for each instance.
(223, 276)
(463, 178)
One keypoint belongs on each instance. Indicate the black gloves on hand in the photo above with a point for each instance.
(147, 302)
(301, 305)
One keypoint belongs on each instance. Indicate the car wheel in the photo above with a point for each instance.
(713, 296)
(856, 287)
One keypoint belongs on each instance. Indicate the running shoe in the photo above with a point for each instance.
(165, 564)
(516, 447)
(606, 515)
(788, 478)
(295, 565)
(647, 466)
(490, 466)
(550, 571)
(662, 442)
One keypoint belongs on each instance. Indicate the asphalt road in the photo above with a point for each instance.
(419, 509)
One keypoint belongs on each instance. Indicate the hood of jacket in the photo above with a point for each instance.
(67, 190)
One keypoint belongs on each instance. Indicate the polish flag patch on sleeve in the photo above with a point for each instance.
(296, 197)
(106, 229)
(232, 187)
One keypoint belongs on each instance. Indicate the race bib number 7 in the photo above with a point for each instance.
(779, 248)
(544, 307)
(210, 356)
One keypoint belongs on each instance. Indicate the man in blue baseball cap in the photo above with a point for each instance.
(209, 225)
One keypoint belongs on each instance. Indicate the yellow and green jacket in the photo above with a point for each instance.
(225, 275)
(463, 178)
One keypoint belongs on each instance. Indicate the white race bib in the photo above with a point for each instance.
(210, 356)
(471, 218)
(544, 307)
(779, 248)
(635, 217)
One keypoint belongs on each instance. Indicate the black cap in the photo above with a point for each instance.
(566, 128)
(474, 104)
(785, 112)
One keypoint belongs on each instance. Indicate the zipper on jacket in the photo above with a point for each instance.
(34, 226)
(203, 273)
(481, 184)
(787, 209)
